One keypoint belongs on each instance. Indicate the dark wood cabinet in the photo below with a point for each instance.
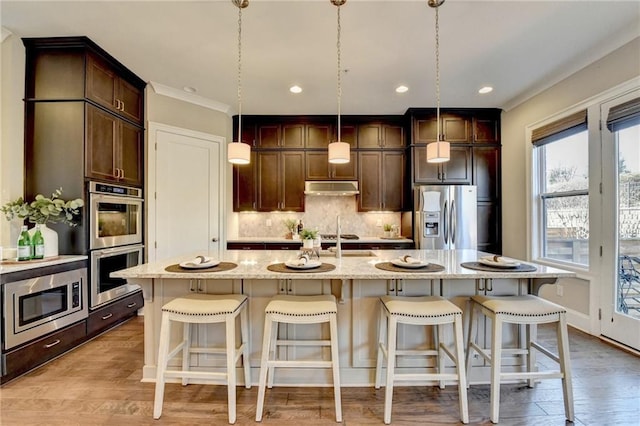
(245, 246)
(456, 128)
(380, 135)
(319, 168)
(455, 171)
(105, 86)
(280, 135)
(319, 135)
(244, 186)
(280, 180)
(487, 178)
(486, 128)
(113, 148)
(103, 318)
(382, 180)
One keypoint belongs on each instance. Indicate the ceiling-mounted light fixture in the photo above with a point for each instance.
(438, 151)
(237, 151)
(338, 150)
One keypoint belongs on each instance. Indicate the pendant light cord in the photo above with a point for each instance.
(339, 76)
(437, 76)
(240, 74)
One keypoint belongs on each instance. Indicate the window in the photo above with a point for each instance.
(562, 153)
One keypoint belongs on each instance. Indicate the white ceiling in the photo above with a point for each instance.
(519, 47)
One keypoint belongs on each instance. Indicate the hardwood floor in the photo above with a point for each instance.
(99, 384)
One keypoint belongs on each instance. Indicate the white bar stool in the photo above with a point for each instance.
(298, 310)
(428, 311)
(527, 310)
(203, 309)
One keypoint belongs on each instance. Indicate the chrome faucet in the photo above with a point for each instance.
(338, 241)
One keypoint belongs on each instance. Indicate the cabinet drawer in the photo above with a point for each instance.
(114, 313)
(245, 246)
(283, 246)
(43, 349)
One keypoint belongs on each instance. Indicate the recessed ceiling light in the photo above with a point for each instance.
(295, 89)
(485, 89)
(189, 89)
(402, 89)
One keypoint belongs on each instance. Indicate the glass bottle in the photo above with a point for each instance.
(300, 227)
(37, 241)
(24, 244)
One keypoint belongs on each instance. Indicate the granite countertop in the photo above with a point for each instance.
(11, 266)
(344, 241)
(252, 264)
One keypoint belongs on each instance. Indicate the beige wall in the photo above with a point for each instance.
(614, 69)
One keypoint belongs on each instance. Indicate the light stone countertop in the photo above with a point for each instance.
(11, 266)
(344, 241)
(252, 264)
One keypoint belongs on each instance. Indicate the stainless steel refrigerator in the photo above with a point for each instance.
(445, 217)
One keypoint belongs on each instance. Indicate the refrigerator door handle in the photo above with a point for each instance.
(454, 225)
(445, 225)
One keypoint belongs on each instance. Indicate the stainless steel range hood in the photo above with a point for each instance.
(331, 188)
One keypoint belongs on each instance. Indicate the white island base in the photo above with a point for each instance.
(357, 285)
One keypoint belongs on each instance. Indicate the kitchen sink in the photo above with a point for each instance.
(349, 253)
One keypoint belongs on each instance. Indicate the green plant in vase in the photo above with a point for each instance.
(308, 236)
(291, 225)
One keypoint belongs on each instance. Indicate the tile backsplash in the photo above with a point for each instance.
(320, 213)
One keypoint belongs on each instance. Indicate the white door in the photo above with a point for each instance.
(620, 289)
(186, 182)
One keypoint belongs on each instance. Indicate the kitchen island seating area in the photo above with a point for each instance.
(357, 287)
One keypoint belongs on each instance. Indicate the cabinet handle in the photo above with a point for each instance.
(131, 305)
(122, 106)
(52, 344)
(191, 288)
(106, 317)
(199, 286)
(121, 173)
(444, 176)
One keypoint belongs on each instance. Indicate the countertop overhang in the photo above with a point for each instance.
(253, 265)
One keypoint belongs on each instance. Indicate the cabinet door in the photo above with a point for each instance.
(486, 129)
(348, 171)
(268, 169)
(425, 172)
(456, 128)
(131, 155)
(102, 86)
(244, 186)
(293, 136)
(130, 98)
(458, 168)
(268, 136)
(370, 135)
(317, 165)
(101, 144)
(486, 172)
(348, 134)
(370, 165)
(392, 136)
(318, 135)
(489, 227)
(393, 170)
(292, 181)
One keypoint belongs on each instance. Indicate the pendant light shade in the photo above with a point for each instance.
(237, 151)
(339, 153)
(439, 151)
(338, 150)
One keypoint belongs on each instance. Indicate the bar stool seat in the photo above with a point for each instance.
(528, 310)
(298, 310)
(203, 309)
(427, 311)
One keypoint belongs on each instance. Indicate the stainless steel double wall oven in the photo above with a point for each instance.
(115, 239)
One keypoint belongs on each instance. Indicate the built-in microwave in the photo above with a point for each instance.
(115, 215)
(37, 306)
(105, 288)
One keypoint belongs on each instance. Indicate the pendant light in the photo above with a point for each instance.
(237, 151)
(437, 152)
(338, 150)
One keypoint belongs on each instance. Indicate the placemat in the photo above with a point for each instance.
(523, 267)
(281, 267)
(222, 266)
(388, 266)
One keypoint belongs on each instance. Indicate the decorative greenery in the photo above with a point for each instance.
(290, 224)
(45, 210)
(308, 234)
(387, 227)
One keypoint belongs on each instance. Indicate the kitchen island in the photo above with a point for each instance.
(355, 281)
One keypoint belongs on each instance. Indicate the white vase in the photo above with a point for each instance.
(50, 240)
(308, 244)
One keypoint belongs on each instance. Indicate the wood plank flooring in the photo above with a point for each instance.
(99, 384)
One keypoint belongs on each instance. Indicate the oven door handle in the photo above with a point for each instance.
(117, 250)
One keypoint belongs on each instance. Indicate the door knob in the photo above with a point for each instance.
(214, 239)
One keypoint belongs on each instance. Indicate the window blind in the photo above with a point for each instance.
(566, 126)
(624, 115)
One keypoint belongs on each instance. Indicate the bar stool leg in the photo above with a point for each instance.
(471, 338)
(162, 366)
(439, 338)
(391, 361)
(333, 328)
(382, 332)
(186, 350)
(262, 381)
(532, 336)
(460, 369)
(244, 337)
(496, 360)
(231, 367)
(565, 366)
(273, 349)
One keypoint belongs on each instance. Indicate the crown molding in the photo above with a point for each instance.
(181, 95)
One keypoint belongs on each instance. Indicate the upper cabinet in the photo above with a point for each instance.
(455, 171)
(106, 87)
(381, 135)
(459, 126)
(382, 180)
(280, 181)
